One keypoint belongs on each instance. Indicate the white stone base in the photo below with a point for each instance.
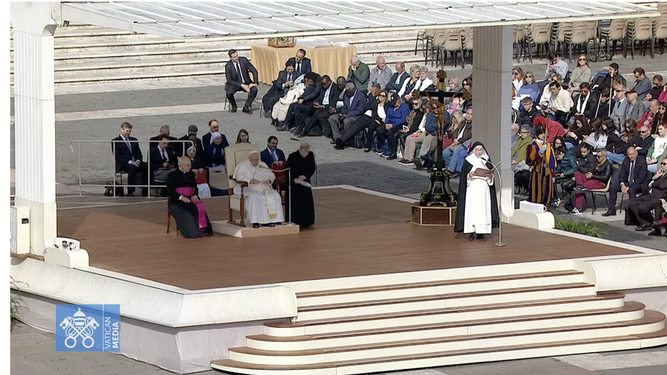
(67, 258)
(532, 220)
(223, 227)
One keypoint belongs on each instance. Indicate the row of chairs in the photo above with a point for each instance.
(597, 38)
(438, 43)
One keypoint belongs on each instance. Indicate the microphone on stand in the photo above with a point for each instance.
(500, 242)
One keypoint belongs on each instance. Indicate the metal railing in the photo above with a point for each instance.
(78, 143)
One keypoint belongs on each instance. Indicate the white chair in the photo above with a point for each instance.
(564, 36)
(235, 154)
(452, 43)
(617, 31)
(579, 37)
(540, 34)
(519, 41)
(467, 41)
(641, 30)
(661, 26)
(436, 41)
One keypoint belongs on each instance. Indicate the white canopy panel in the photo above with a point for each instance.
(293, 18)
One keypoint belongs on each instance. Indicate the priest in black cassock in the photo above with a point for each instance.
(477, 209)
(301, 166)
(184, 203)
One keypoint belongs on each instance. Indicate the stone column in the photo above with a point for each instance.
(492, 102)
(34, 120)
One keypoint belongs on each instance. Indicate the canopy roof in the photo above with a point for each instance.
(293, 18)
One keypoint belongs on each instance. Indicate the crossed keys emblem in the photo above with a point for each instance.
(79, 325)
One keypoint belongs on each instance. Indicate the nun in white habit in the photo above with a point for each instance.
(262, 203)
(477, 197)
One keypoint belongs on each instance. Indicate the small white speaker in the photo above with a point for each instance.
(532, 207)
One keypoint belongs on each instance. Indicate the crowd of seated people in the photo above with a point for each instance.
(604, 130)
(373, 109)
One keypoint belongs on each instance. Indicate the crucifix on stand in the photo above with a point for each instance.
(437, 204)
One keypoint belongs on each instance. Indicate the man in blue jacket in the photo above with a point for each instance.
(354, 105)
(272, 153)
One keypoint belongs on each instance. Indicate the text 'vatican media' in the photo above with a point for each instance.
(91, 328)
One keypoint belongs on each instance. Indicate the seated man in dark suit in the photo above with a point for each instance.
(164, 130)
(365, 121)
(631, 179)
(324, 106)
(128, 158)
(304, 105)
(640, 208)
(162, 160)
(301, 62)
(354, 105)
(213, 127)
(237, 72)
(279, 87)
(272, 153)
(397, 79)
(180, 147)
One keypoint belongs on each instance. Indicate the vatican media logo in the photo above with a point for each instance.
(88, 328)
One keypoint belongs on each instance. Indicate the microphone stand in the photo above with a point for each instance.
(500, 242)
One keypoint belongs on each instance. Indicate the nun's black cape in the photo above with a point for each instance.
(463, 188)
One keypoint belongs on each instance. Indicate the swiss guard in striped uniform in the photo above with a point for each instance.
(542, 161)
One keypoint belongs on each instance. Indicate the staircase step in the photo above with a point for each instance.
(452, 357)
(141, 75)
(445, 300)
(437, 287)
(132, 64)
(652, 322)
(444, 315)
(631, 311)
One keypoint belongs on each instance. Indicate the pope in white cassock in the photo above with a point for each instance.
(262, 203)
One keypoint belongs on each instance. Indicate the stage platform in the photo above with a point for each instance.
(356, 233)
(191, 304)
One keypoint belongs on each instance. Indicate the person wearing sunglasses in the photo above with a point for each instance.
(639, 209)
(642, 84)
(582, 73)
(529, 88)
(595, 179)
(661, 117)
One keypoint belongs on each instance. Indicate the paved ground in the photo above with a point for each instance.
(94, 112)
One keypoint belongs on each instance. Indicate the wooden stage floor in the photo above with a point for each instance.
(355, 234)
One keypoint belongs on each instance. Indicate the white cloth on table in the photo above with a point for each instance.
(262, 203)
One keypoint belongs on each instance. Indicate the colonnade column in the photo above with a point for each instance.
(34, 119)
(492, 102)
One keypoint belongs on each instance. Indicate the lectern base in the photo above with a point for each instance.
(440, 216)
